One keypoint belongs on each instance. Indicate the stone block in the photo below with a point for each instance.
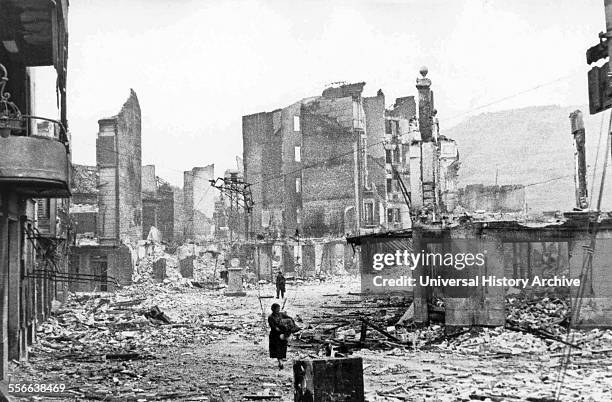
(159, 270)
(186, 266)
(234, 282)
(328, 380)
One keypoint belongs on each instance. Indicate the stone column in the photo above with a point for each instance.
(423, 85)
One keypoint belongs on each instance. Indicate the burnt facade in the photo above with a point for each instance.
(157, 205)
(150, 200)
(198, 203)
(99, 268)
(506, 198)
(178, 222)
(347, 164)
(84, 202)
(166, 211)
(98, 257)
(323, 133)
(118, 157)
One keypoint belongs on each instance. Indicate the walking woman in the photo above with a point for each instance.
(278, 336)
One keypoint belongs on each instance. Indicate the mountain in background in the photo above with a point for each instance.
(531, 146)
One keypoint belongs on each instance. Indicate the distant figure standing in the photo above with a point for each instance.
(278, 335)
(280, 285)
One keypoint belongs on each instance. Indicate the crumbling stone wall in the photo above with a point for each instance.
(374, 108)
(188, 204)
(507, 198)
(328, 187)
(262, 155)
(404, 107)
(106, 158)
(203, 201)
(88, 260)
(198, 202)
(179, 214)
(291, 130)
(323, 187)
(166, 212)
(130, 169)
(118, 156)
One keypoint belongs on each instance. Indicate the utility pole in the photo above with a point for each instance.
(578, 133)
(608, 11)
(240, 197)
(608, 35)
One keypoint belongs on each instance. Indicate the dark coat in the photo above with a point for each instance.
(278, 346)
(280, 282)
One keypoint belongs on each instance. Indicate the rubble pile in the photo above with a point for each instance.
(113, 342)
(520, 361)
(207, 266)
(365, 322)
(550, 314)
(145, 271)
(94, 326)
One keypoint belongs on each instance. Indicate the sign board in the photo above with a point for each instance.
(600, 94)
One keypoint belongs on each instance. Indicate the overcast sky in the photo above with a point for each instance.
(199, 66)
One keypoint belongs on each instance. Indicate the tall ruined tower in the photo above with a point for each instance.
(118, 159)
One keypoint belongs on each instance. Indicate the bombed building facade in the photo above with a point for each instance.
(509, 252)
(117, 206)
(198, 203)
(102, 260)
(345, 163)
(118, 157)
(157, 206)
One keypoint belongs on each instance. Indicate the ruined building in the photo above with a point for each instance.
(166, 211)
(150, 200)
(199, 203)
(103, 260)
(465, 266)
(84, 202)
(157, 205)
(118, 157)
(343, 164)
(324, 134)
(34, 172)
(178, 222)
(346, 163)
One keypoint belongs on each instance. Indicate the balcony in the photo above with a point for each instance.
(35, 166)
(34, 157)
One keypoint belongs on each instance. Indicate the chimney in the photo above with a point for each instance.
(423, 85)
